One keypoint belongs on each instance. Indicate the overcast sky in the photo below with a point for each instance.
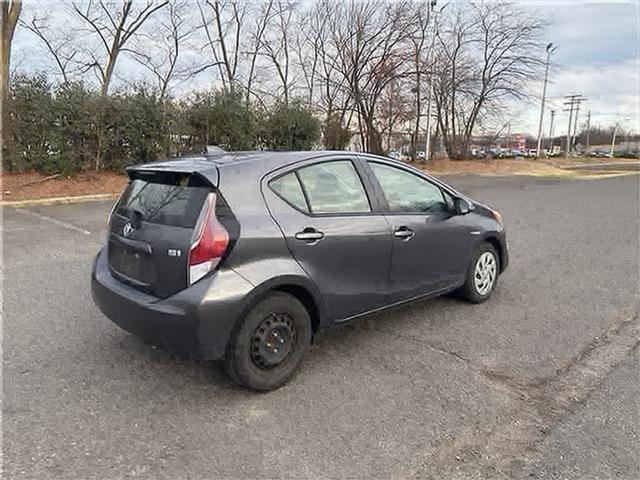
(598, 56)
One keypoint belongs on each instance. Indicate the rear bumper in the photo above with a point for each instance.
(195, 322)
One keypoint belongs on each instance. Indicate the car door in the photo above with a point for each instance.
(328, 220)
(430, 241)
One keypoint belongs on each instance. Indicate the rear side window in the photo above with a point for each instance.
(168, 201)
(288, 187)
(334, 187)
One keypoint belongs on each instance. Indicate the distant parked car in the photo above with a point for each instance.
(243, 257)
(600, 153)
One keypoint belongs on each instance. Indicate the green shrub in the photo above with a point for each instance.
(290, 127)
(70, 127)
(220, 117)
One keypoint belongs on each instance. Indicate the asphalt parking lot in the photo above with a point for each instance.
(539, 382)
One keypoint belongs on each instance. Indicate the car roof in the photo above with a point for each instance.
(261, 162)
(258, 164)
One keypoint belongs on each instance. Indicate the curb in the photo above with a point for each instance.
(59, 200)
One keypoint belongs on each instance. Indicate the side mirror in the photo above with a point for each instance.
(462, 206)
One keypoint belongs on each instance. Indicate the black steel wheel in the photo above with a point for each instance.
(268, 343)
(273, 341)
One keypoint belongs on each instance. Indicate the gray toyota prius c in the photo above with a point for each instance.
(243, 257)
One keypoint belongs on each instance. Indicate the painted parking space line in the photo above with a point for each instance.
(53, 220)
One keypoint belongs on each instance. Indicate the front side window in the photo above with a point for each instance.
(334, 187)
(406, 192)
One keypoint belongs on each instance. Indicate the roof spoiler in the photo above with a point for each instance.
(208, 176)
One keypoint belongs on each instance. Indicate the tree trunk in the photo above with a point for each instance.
(10, 13)
(374, 139)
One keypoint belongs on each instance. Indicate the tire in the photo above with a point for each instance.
(268, 343)
(470, 290)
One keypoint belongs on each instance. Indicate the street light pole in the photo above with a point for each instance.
(431, 5)
(553, 114)
(613, 140)
(550, 50)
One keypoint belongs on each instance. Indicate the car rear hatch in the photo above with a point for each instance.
(163, 232)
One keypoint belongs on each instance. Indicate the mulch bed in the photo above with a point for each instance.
(33, 185)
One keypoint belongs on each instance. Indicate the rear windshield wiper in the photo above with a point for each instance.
(134, 215)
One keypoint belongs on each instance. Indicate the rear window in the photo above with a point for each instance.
(174, 200)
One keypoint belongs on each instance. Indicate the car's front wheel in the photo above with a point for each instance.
(482, 275)
(268, 344)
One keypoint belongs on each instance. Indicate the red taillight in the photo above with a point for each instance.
(210, 243)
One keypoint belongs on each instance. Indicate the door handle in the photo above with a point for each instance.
(405, 233)
(310, 235)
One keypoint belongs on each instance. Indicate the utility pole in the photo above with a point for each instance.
(550, 50)
(572, 101)
(586, 148)
(575, 128)
(553, 114)
(567, 147)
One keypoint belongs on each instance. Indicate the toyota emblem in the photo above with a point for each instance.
(127, 229)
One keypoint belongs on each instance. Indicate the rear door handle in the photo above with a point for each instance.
(405, 233)
(310, 235)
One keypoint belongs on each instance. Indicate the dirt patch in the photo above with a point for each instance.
(33, 185)
(565, 161)
(490, 167)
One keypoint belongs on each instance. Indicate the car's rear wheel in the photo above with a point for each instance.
(268, 344)
(482, 275)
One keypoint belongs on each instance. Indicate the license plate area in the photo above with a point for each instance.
(131, 264)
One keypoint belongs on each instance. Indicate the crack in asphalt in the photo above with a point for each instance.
(509, 446)
(506, 448)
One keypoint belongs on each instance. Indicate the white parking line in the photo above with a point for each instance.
(54, 220)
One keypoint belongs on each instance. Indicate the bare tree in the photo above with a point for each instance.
(58, 42)
(396, 110)
(417, 38)
(276, 44)
(317, 59)
(166, 39)
(453, 72)
(487, 55)
(307, 39)
(10, 14)
(224, 36)
(262, 21)
(114, 30)
(368, 39)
